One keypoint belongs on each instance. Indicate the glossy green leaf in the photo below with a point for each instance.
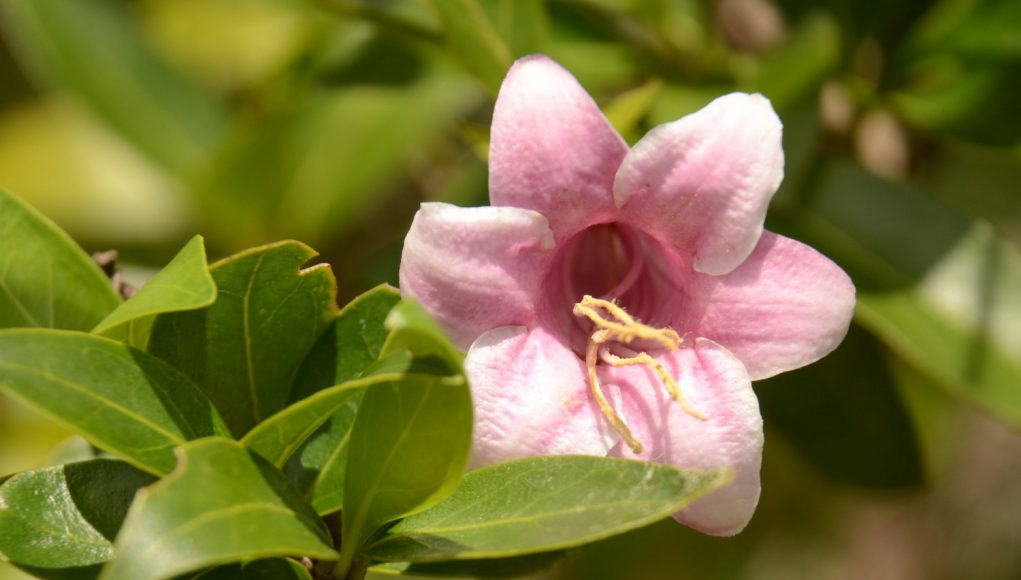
(45, 278)
(279, 436)
(542, 504)
(844, 415)
(473, 39)
(349, 345)
(272, 569)
(244, 350)
(60, 522)
(185, 284)
(123, 400)
(939, 289)
(222, 504)
(409, 446)
(319, 466)
(94, 51)
(516, 567)
(414, 330)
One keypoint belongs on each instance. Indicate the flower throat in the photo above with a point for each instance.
(614, 327)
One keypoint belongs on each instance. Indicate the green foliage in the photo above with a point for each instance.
(473, 39)
(222, 504)
(61, 522)
(92, 50)
(185, 284)
(124, 400)
(531, 506)
(244, 349)
(46, 279)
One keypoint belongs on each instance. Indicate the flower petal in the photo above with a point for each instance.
(715, 384)
(702, 183)
(531, 398)
(551, 148)
(475, 268)
(786, 306)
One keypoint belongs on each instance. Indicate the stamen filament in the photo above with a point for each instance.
(625, 329)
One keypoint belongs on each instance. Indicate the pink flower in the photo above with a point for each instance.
(584, 239)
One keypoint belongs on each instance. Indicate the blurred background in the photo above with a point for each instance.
(136, 123)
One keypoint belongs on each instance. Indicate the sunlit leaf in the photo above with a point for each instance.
(222, 504)
(409, 446)
(514, 567)
(413, 329)
(123, 400)
(542, 504)
(184, 284)
(243, 350)
(349, 345)
(273, 569)
(60, 522)
(45, 278)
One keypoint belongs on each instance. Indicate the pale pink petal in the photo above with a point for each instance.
(475, 268)
(551, 149)
(786, 306)
(702, 183)
(531, 398)
(716, 385)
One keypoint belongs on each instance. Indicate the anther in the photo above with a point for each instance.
(624, 328)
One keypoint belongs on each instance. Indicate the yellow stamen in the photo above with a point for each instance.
(624, 328)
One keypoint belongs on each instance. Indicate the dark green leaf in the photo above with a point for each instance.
(45, 278)
(185, 284)
(349, 345)
(222, 504)
(939, 289)
(93, 50)
(244, 350)
(319, 466)
(543, 504)
(275, 569)
(409, 446)
(473, 40)
(844, 415)
(490, 568)
(60, 522)
(123, 400)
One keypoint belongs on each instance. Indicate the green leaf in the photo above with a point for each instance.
(542, 504)
(349, 345)
(412, 329)
(473, 39)
(628, 109)
(318, 468)
(185, 284)
(409, 446)
(939, 289)
(244, 350)
(123, 400)
(517, 567)
(61, 521)
(222, 504)
(278, 437)
(844, 415)
(524, 25)
(45, 278)
(94, 51)
(273, 569)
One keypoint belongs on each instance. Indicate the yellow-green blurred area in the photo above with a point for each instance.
(135, 124)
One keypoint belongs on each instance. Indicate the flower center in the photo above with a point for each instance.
(613, 328)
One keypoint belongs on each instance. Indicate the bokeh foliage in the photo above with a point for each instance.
(136, 123)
